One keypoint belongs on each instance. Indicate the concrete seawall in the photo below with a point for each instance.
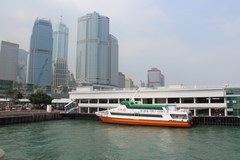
(2, 154)
(13, 117)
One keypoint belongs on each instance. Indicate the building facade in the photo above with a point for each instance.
(215, 101)
(8, 65)
(92, 60)
(60, 72)
(40, 54)
(113, 61)
(121, 80)
(129, 83)
(60, 42)
(155, 78)
(60, 55)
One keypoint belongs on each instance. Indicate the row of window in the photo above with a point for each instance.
(157, 100)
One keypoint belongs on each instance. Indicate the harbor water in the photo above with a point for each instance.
(94, 140)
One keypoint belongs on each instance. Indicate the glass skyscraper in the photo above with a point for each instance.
(92, 64)
(113, 61)
(60, 54)
(40, 54)
(60, 42)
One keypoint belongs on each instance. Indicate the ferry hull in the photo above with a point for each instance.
(145, 122)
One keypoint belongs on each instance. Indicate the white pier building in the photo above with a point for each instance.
(214, 101)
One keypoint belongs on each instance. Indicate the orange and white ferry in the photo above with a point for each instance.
(147, 114)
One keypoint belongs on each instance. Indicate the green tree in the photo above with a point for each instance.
(39, 97)
(14, 95)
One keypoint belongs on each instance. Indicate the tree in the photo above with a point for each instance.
(14, 95)
(39, 97)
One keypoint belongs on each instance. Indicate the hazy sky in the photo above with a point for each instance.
(193, 42)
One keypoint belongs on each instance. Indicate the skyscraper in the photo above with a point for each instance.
(121, 80)
(60, 42)
(113, 61)
(155, 78)
(8, 60)
(60, 54)
(8, 66)
(40, 54)
(92, 60)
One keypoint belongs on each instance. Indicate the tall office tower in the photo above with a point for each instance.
(60, 42)
(121, 80)
(60, 72)
(113, 61)
(40, 54)
(155, 78)
(60, 54)
(22, 66)
(8, 65)
(92, 60)
(129, 83)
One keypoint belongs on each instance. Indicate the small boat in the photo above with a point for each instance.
(131, 113)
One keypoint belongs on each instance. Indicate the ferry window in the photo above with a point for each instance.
(173, 100)
(187, 100)
(113, 100)
(127, 99)
(217, 100)
(102, 100)
(160, 100)
(83, 100)
(147, 100)
(202, 100)
(93, 100)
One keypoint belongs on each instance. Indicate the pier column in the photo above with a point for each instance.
(195, 112)
(79, 109)
(194, 100)
(210, 113)
(225, 112)
(98, 109)
(88, 110)
(153, 101)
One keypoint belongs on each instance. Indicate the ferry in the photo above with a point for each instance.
(129, 112)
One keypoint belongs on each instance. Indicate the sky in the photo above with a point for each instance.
(192, 42)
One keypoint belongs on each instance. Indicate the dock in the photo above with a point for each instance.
(12, 117)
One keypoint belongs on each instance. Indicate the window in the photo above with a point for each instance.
(113, 101)
(202, 100)
(93, 101)
(173, 100)
(217, 100)
(83, 100)
(147, 100)
(102, 100)
(160, 100)
(187, 100)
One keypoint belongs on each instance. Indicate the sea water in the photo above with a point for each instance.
(94, 140)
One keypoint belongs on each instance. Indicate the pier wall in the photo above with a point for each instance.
(221, 121)
(25, 117)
